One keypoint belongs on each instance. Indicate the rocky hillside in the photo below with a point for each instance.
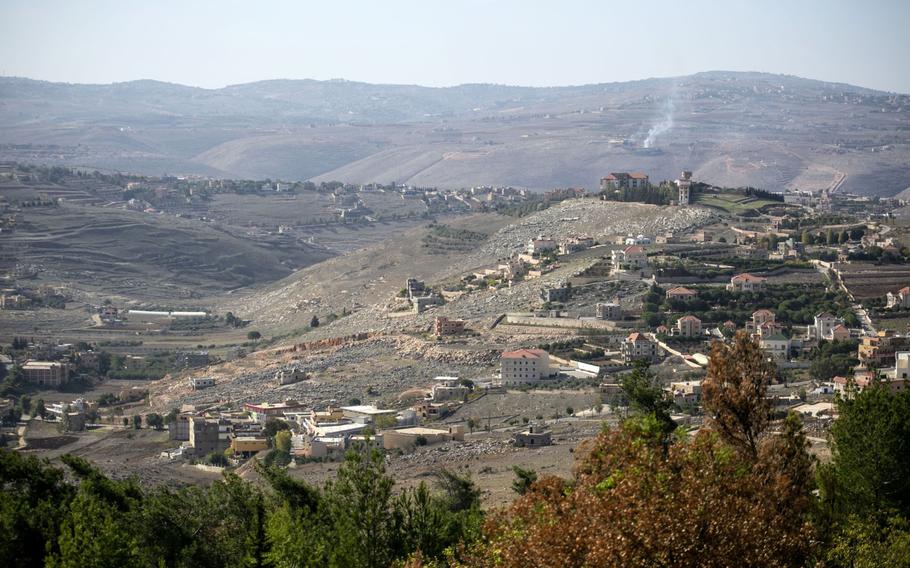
(732, 129)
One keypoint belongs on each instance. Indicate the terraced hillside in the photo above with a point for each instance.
(146, 256)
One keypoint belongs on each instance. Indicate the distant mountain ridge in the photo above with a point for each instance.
(772, 131)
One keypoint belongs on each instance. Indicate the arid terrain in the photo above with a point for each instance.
(733, 129)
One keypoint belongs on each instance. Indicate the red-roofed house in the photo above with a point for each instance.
(746, 283)
(619, 180)
(688, 326)
(629, 258)
(638, 347)
(524, 366)
(681, 293)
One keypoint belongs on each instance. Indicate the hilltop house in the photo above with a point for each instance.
(623, 180)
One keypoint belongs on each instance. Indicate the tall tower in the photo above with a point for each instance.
(684, 183)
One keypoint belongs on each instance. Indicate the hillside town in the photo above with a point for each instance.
(562, 314)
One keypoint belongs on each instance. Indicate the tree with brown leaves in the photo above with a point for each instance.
(724, 497)
(733, 394)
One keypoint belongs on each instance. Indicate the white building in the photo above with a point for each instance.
(823, 327)
(629, 258)
(524, 366)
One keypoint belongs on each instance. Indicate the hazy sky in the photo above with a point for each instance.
(216, 43)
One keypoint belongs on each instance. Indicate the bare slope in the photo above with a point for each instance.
(755, 129)
(365, 280)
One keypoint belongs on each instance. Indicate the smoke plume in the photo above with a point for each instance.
(664, 125)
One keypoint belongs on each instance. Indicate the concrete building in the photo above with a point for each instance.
(746, 283)
(199, 383)
(445, 326)
(208, 435)
(862, 379)
(524, 366)
(541, 245)
(559, 294)
(684, 184)
(448, 388)
(688, 326)
(179, 429)
(576, 244)
(248, 445)
(610, 311)
(289, 376)
(533, 437)
(638, 347)
(46, 373)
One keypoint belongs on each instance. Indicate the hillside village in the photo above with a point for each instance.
(505, 328)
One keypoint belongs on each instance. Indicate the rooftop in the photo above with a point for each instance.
(524, 354)
(366, 409)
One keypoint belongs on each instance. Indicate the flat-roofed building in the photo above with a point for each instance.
(198, 383)
(445, 326)
(265, 410)
(366, 414)
(610, 311)
(46, 373)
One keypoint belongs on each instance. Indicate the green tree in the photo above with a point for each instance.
(38, 409)
(524, 478)
(137, 421)
(253, 335)
(283, 441)
(359, 502)
(648, 397)
(154, 420)
(869, 472)
(314, 322)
